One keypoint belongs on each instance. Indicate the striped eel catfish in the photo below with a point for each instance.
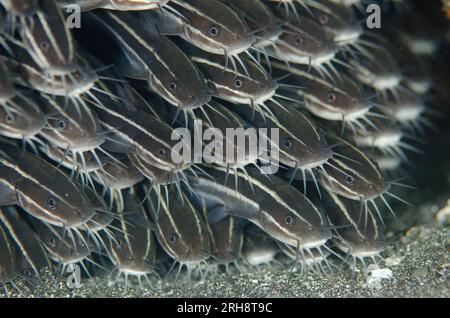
(48, 41)
(152, 57)
(42, 190)
(144, 138)
(219, 118)
(285, 213)
(343, 100)
(259, 18)
(248, 84)
(337, 19)
(407, 109)
(209, 25)
(386, 162)
(227, 235)
(388, 137)
(418, 78)
(120, 5)
(305, 42)
(22, 119)
(376, 68)
(73, 84)
(132, 247)
(117, 176)
(73, 128)
(358, 236)
(99, 223)
(31, 256)
(62, 246)
(355, 176)
(301, 144)
(181, 230)
(8, 269)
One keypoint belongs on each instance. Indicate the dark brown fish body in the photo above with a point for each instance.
(285, 213)
(31, 257)
(352, 175)
(76, 127)
(180, 228)
(359, 234)
(220, 119)
(377, 69)
(133, 249)
(156, 59)
(44, 191)
(248, 84)
(387, 135)
(301, 143)
(406, 109)
(118, 175)
(49, 41)
(259, 18)
(304, 42)
(227, 235)
(139, 133)
(337, 19)
(8, 271)
(62, 247)
(21, 118)
(212, 26)
(342, 100)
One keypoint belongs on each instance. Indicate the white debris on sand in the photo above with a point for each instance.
(376, 276)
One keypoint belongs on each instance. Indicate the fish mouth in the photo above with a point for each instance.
(267, 95)
(308, 244)
(240, 47)
(362, 251)
(349, 35)
(268, 39)
(386, 82)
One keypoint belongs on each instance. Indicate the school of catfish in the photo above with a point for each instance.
(89, 175)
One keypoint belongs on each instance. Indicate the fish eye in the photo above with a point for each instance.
(162, 151)
(9, 118)
(288, 220)
(324, 19)
(331, 97)
(299, 40)
(44, 45)
(237, 83)
(173, 238)
(52, 241)
(213, 30)
(51, 203)
(349, 179)
(287, 143)
(62, 124)
(77, 75)
(173, 86)
(26, 272)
